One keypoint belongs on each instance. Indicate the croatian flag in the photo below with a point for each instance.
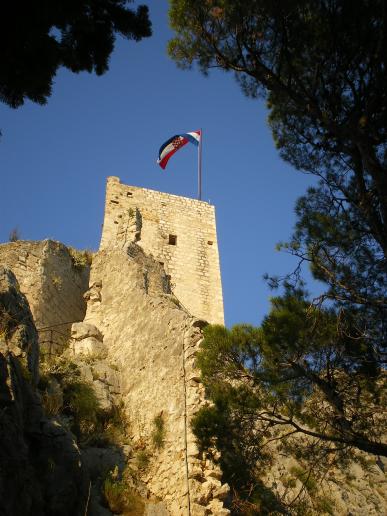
(168, 149)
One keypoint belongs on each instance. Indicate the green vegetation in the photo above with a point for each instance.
(142, 459)
(305, 477)
(65, 393)
(26, 373)
(56, 281)
(79, 36)
(82, 258)
(8, 323)
(111, 427)
(271, 385)
(158, 433)
(79, 402)
(52, 396)
(315, 368)
(119, 497)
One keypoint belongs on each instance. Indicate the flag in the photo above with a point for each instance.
(168, 149)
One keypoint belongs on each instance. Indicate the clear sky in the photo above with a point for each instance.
(54, 160)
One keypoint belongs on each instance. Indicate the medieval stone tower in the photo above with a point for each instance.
(179, 232)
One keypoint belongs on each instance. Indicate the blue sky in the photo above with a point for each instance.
(54, 160)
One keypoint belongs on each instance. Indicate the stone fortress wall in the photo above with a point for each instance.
(179, 232)
(137, 346)
(53, 286)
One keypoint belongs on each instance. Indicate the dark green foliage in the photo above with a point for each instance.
(322, 68)
(315, 369)
(295, 382)
(81, 403)
(321, 65)
(142, 459)
(74, 399)
(158, 433)
(38, 37)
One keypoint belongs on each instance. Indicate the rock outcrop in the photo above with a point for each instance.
(54, 282)
(150, 343)
(41, 472)
(135, 346)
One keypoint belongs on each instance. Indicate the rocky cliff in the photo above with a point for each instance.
(41, 470)
(54, 278)
(135, 348)
(143, 345)
(106, 429)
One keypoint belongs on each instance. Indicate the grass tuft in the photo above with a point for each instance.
(82, 258)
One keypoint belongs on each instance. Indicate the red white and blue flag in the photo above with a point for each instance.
(168, 149)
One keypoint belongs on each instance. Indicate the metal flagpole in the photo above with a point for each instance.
(200, 166)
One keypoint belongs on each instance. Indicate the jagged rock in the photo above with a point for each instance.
(17, 329)
(198, 510)
(137, 349)
(53, 285)
(221, 492)
(41, 472)
(103, 395)
(82, 330)
(38, 457)
(217, 508)
(105, 373)
(99, 461)
(87, 341)
(89, 347)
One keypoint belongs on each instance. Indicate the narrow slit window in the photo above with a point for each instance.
(172, 240)
(129, 194)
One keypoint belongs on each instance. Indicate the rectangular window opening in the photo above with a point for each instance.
(210, 242)
(129, 194)
(172, 240)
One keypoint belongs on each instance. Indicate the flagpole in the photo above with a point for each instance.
(200, 166)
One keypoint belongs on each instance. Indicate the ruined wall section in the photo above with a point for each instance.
(151, 342)
(179, 232)
(53, 286)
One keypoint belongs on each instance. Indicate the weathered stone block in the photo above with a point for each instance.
(89, 347)
(221, 491)
(82, 330)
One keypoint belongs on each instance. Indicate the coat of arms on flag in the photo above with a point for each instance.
(168, 149)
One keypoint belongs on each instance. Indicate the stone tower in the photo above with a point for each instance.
(179, 232)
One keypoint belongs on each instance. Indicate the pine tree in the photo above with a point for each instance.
(38, 37)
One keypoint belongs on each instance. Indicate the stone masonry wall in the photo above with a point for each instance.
(52, 285)
(179, 232)
(150, 343)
